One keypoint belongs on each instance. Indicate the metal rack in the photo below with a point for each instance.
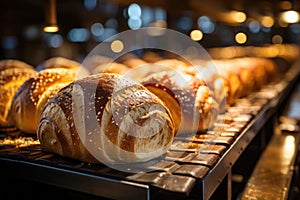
(181, 175)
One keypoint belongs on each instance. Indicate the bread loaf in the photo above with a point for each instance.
(13, 63)
(58, 62)
(112, 67)
(106, 118)
(190, 101)
(231, 81)
(13, 73)
(131, 60)
(151, 57)
(29, 100)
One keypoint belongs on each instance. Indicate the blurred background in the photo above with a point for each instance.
(82, 24)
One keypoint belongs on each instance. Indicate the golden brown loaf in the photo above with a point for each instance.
(202, 71)
(190, 101)
(112, 67)
(13, 73)
(31, 97)
(98, 64)
(13, 63)
(246, 75)
(151, 57)
(131, 60)
(59, 62)
(172, 63)
(106, 118)
(206, 72)
(231, 82)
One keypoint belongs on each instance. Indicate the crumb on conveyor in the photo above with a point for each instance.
(19, 141)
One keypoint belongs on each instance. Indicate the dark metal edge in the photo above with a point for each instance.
(82, 182)
(215, 176)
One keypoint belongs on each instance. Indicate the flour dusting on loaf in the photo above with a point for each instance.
(106, 118)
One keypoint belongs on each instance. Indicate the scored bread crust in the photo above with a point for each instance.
(193, 107)
(105, 118)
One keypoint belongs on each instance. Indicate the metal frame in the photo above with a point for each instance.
(101, 186)
(82, 182)
(216, 175)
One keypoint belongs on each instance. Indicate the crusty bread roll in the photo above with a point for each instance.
(106, 118)
(58, 62)
(254, 66)
(13, 73)
(131, 60)
(13, 63)
(172, 63)
(232, 83)
(206, 72)
(31, 97)
(151, 57)
(190, 101)
(245, 76)
(112, 67)
(98, 64)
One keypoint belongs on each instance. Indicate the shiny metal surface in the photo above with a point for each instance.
(77, 181)
(273, 173)
(225, 163)
(194, 166)
(293, 109)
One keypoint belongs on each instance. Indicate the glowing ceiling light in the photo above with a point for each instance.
(238, 16)
(286, 5)
(97, 29)
(54, 41)
(51, 21)
(277, 39)
(205, 24)
(254, 26)
(134, 24)
(290, 16)
(196, 35)
(267, 21)
(240, 38)
(134, 11)
(117, 46)
(51, 28)
(78, 35)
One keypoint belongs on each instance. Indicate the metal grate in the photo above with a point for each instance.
(193, 163)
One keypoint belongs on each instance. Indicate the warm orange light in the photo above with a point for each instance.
(228, 52)
(51, 29)
(117, 46)
(277, 39)
(290, 16)
(196, 35)
(267, 21)
(286, 5)
(240, 38)
(50, 14)
(289, 147)
(239, 17)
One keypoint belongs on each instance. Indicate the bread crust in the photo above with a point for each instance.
(190, 101)
(58, 62)
(13, 63)
(13, 73)
(104, 118)
(30, 98)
